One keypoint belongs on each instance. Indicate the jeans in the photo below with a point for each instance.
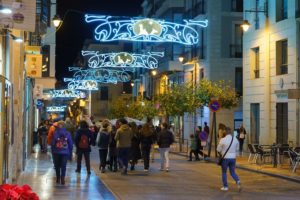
(146, 155)
(103, 156)
(123, 155)
(164, 158)
(227, 162)
(86, 158)
(60, 163)
(44, 143)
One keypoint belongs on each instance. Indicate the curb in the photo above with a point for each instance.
(288, 178)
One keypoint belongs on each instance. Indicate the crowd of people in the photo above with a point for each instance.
(120, 144)
(123, 144)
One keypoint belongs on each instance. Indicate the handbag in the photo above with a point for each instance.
(220, 159)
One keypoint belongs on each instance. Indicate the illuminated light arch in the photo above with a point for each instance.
(81, 84)
(67, 94)
(55, 108)
(145, 30)
(122, 59)
(101, 75)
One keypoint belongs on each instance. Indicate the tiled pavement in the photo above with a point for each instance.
(186, 180)
(40, 175)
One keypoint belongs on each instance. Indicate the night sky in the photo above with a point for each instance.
(74, 30)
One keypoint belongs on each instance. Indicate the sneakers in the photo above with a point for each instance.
(146, 170)
(224, 188)
(239, 185)
(167, 169)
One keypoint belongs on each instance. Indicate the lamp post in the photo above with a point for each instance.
(153, 74)
(245, 25)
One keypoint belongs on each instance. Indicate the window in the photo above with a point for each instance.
(236, 48)
(201, 73)
(255, 62)
(237, 5)
(281, 9)
(46, 61)
(103, 93)
(239, 80)
(281, 57)
(297, 14)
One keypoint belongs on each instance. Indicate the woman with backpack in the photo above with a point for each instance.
(83, 140)
(102, 142)
(61, 146)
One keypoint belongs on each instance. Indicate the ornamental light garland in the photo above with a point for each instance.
(56, 108)
(122, 59)
(145, 29)
(67, 94)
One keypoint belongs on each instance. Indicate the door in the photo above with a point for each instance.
(255, 123)
(6, 128)
(282, 123)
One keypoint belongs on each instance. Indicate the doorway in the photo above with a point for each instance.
(255, 122)
(282, 123)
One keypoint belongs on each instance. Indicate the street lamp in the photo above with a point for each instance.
(56, 21)
(5, 10)
(132, 84)
(245, 25)
(153, 72)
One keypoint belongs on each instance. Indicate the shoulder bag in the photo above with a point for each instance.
(220, 160)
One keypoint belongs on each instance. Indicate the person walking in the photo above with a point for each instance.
(83, 140)
(241, 136)
(123, 138)
(43, 133)
(147, 138)
(164, 140)
(103, 139)
(228, 147)
(135, 151)
(193, 148)
(70, 127)
(112, 150)
(61, 146)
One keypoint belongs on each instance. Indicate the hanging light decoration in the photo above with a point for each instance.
(145, 29)
(122, 59)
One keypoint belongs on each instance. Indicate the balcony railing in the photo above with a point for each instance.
(284, 69)
(236, 51)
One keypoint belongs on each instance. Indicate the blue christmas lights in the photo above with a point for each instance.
(56, 108)
(145, 30)
(122, 59)
(67, 94)
(101, 75)
(81, 84)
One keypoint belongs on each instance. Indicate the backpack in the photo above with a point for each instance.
(61, 142)
(83, 142)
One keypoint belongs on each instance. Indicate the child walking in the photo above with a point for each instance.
(193, 147)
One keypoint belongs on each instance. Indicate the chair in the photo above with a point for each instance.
(252, 152)
(294, 159)
(263, 152)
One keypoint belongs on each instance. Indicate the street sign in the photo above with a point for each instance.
(214, 105)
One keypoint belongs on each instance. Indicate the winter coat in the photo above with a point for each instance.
(62, 132)
(165, 138)
(193, 144)
(78, 135)
(112, 147)
(103, 139)
(123, 136)
(42, 130)
(135, 151)
(147, 135)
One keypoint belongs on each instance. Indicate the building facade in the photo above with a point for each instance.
(217, 56)
(271, 71)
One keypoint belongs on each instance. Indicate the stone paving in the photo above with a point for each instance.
(40, 175)
(186, 181)
(193, 180)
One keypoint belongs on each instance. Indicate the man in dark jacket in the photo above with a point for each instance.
(123, 138)
(83, 139)
(164, 140)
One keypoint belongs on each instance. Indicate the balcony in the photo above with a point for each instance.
(236, 51)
